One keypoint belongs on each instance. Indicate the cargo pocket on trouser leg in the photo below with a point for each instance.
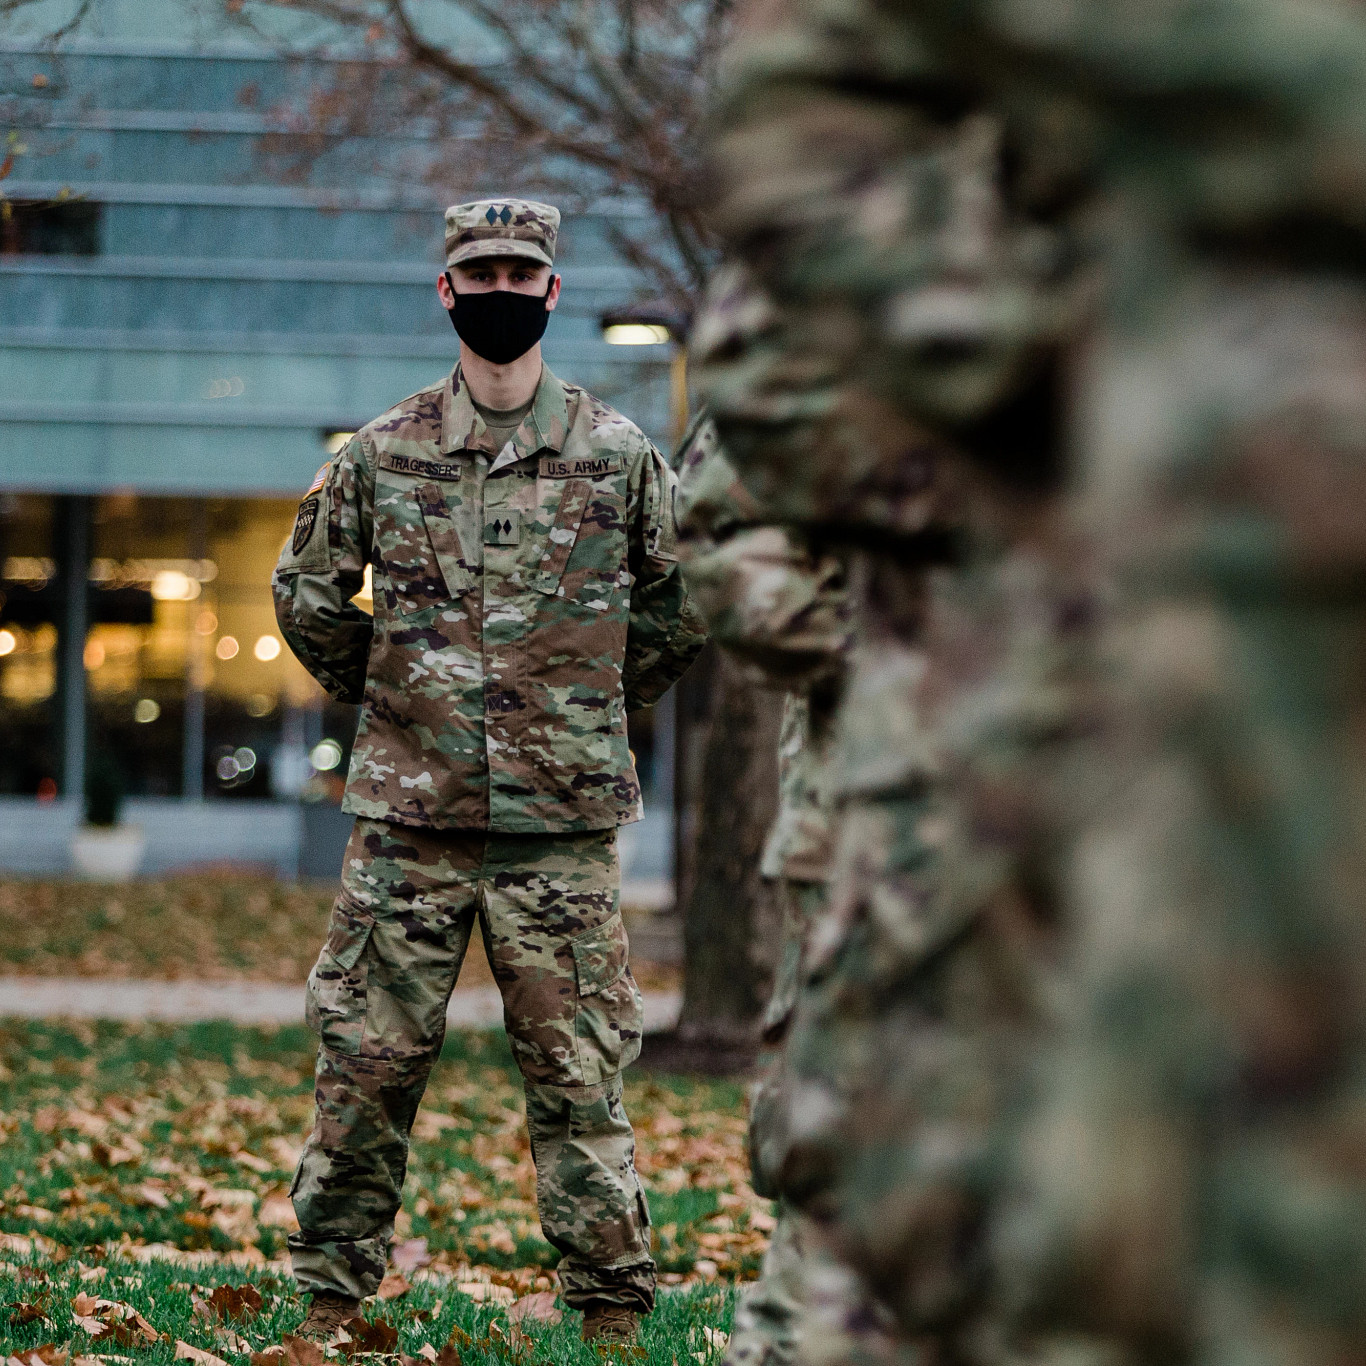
(609, 1012)
(334, 1002)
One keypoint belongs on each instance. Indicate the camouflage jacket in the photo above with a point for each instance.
(525, 600)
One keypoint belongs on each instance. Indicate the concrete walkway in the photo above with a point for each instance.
(98, 998)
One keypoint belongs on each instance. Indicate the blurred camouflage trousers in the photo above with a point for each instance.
(768, 1109)
(809, 1307)
(548, 911)
(805, 1305)
(922, 999)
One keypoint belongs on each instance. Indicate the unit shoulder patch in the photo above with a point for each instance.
(579, 466)
(420, 465)
(304, 524)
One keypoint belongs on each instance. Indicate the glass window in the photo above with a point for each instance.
(30, 612)
(192, 690)
(146, 584)
(48, 228)
(262, 710)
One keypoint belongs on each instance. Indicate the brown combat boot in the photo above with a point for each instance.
(606, 1325)
(326, 1314)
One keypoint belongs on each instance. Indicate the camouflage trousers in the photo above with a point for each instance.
(806, 1305)
(925, 994)
(810, 1307)
(547, 907)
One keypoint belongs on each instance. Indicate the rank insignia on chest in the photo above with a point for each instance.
(303, 523)
(502, 527)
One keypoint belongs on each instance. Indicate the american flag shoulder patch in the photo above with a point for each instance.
(319, 479)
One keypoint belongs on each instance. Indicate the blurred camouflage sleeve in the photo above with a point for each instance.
(666, 632)
(766, 597)
(320, 570)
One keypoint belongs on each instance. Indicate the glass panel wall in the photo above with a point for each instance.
(30, 613)
(192, 691)
(145, 590)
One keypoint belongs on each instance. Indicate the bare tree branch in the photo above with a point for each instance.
(590, 98)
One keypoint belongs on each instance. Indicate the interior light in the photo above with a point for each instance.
(267, 648)
(8, 641)
(260, 704)
(635, 334)
(246, 759)
(146, 711)
(326, 755)
(227, 647)
(334, 441)
(173, 585)
(94, 654)
(206, 623)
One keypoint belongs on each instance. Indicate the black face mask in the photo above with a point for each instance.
(498, 324)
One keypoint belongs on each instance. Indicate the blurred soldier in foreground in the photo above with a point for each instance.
(780, 606)
(1189, 1183)
(926, 978)
(527, 597)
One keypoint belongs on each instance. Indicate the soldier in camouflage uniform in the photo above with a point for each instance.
(781, 610)
(925, 978)
(780, 605)
(527, 597)
(1189, 1188)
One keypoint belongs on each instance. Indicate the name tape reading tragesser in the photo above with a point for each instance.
(416, 464)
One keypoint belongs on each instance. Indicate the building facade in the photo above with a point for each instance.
(186, 332)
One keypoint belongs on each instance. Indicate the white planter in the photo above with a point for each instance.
(108, 853)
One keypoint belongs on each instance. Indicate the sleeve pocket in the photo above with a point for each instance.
(600, 956)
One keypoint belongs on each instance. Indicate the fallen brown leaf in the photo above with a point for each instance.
(235, 1301)
(369, 1337)
(184, 1352)
(49, 1354)
(540, 1307)
(292, 1351)
(28, 1311)
(112, 1320)
(394, 1286)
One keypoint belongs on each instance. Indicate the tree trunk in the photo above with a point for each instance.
(728, 759)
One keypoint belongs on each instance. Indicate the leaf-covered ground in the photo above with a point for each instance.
(143, 1165)
(224, 926)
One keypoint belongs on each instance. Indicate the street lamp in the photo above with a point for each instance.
(656, 324)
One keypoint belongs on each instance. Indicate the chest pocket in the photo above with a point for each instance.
(423, 558)
(563, 533)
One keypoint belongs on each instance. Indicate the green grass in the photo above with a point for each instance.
(116, 1137)
(428, 1314)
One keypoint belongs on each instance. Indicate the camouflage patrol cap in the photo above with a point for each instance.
(502, 227)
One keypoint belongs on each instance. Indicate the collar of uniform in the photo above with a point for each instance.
(545, 426)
